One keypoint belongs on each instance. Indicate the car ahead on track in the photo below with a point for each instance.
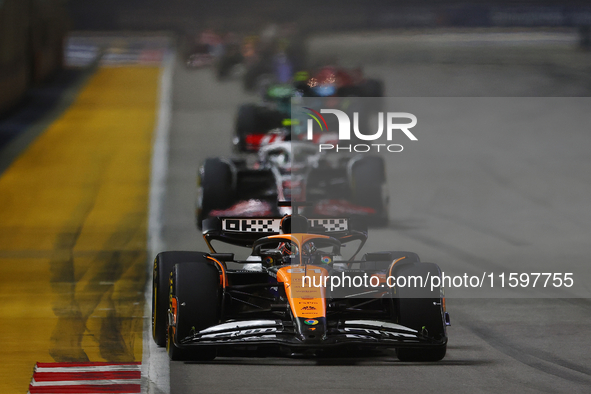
(204, 302)
(203, 49)
(254, 122)
(352, 186)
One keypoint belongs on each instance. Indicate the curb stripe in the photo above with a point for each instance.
(86, 389)
(114, 382)
(91, 364)
(56, 376)
(86, 378)
(89, 369)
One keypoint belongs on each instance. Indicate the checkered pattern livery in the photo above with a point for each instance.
(252, 225)
(330, 224)
(274, 225)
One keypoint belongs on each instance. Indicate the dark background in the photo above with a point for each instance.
(314, 16)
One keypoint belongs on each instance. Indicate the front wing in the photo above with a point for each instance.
(276, 332)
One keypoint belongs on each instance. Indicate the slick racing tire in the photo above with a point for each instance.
(420, 308)
(368, 187)
(163, 264)
(216, 188)
(197, 290)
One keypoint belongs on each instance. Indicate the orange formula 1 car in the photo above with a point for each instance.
(285, 295)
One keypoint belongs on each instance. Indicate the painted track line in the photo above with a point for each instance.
(155, 364)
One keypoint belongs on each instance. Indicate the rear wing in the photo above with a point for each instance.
(245, 232)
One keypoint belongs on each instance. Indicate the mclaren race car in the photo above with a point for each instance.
(353, 185)
(282, 296)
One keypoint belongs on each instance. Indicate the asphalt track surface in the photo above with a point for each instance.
(465, 200)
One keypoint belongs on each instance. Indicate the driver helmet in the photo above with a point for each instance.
(287, 252)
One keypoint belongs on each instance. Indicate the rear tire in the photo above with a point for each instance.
(216, 188)
(420, 309)
(368, 187)
(197, 290)
(163, 265)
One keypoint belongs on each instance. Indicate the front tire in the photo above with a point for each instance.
(163, 265)
(420, 308)
(197, 291)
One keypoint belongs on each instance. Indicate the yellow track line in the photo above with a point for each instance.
(73, 216)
